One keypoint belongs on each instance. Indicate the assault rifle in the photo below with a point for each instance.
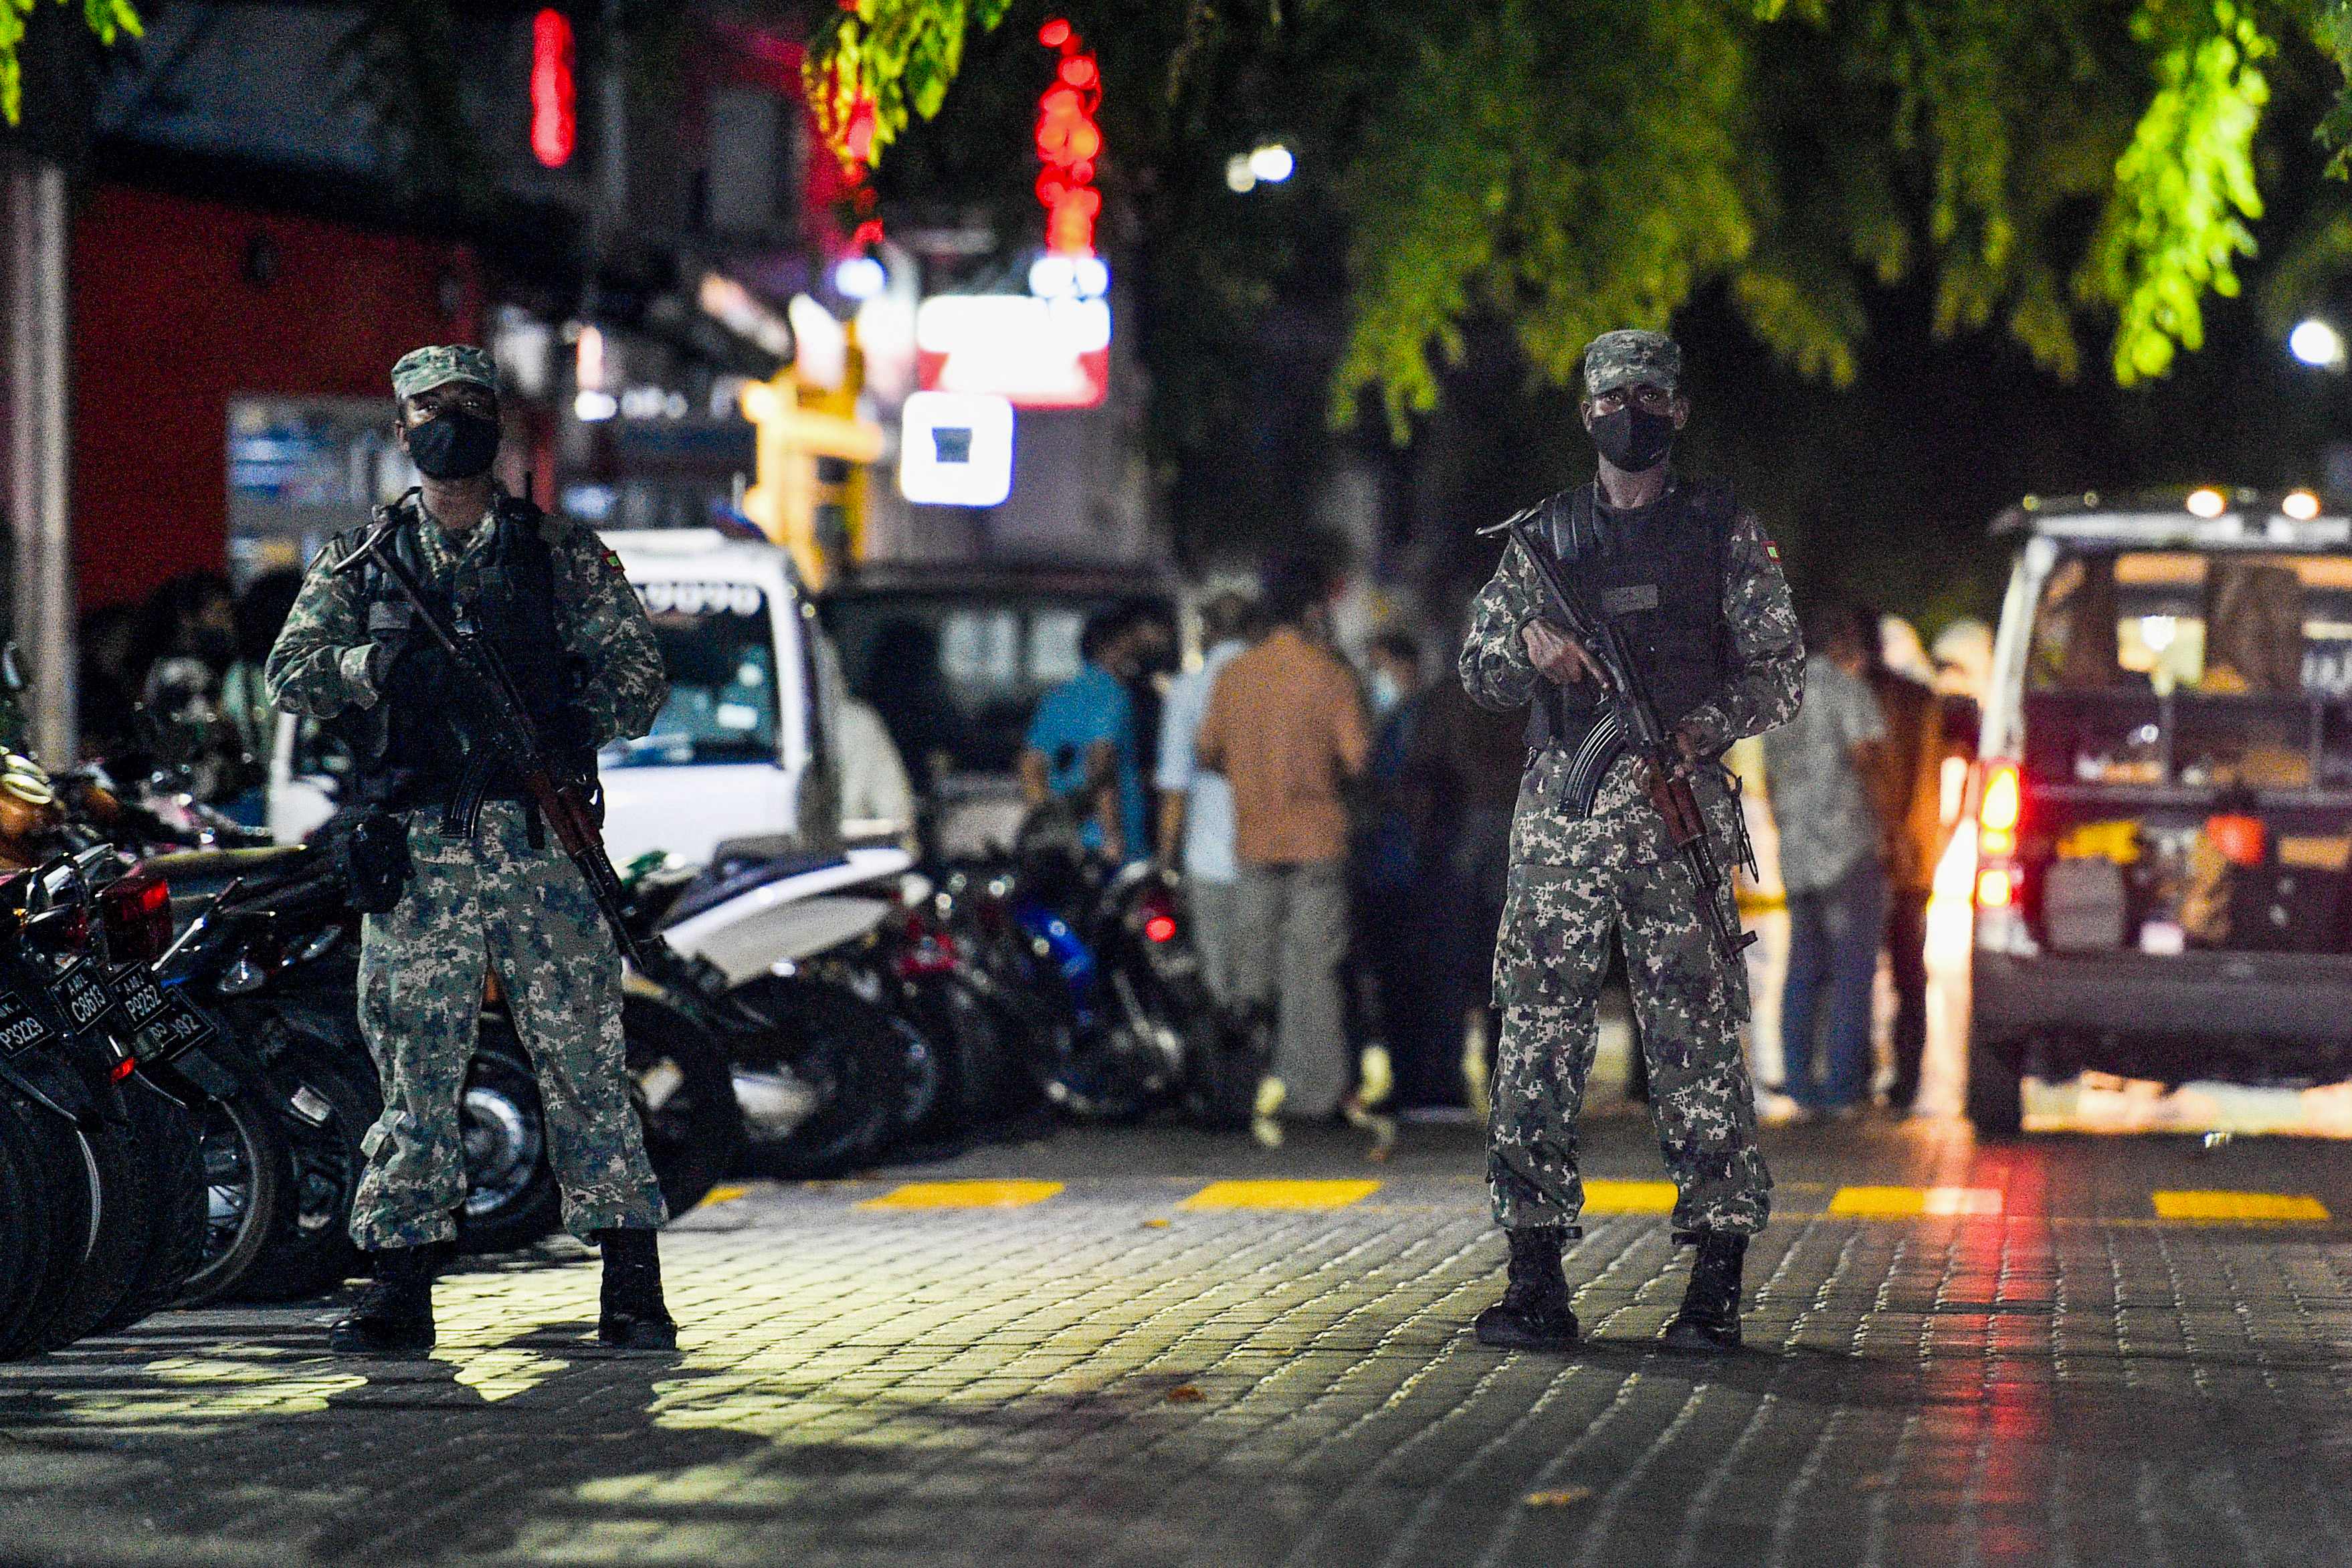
(1630, 722)
(487, 689)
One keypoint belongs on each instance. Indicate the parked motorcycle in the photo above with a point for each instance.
(107, 1213)
(277, 952)
(825, 1075)
(1094, 970)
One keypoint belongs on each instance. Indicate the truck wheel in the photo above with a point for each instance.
(1996, 1093)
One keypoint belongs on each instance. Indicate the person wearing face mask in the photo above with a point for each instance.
(1689, 578)
(459, 892)
(1286, 728)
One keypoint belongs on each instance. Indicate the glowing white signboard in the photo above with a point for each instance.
(1034, 352)
(955, 449)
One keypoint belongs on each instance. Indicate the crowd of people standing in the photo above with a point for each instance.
(1858, 793)
(1341, 832)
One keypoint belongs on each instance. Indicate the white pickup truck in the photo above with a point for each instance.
(741, 750)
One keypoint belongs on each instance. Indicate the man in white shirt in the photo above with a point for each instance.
(1196, 808)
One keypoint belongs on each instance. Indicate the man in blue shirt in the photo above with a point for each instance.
(1082, 744)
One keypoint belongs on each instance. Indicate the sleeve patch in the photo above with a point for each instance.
(1771, 549)
(612, 560)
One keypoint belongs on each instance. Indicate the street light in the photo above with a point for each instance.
(1268, 164)
(2314, 342)
(859, 277)
(1272, 164)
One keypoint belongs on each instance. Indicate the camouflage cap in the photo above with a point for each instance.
(1631, 358)
(438, 364)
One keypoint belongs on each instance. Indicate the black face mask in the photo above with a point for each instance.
(455, 444)
(1633, 439)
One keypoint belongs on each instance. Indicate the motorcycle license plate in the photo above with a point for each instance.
(20, 1029)
(80, 994)
(162, 1025)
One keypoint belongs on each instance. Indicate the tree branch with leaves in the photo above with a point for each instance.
(107, 19)
(1568, 166)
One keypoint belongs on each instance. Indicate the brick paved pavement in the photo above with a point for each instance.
(1103, 1376)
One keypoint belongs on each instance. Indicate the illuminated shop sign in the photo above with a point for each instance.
(1036, 354)
(956, 449)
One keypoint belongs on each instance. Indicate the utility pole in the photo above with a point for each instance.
(39, 436)
(609, 207)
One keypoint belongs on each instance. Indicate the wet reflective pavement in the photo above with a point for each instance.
(1156, 1347)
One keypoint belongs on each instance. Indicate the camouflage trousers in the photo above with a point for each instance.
(1552, 954)
(527, 913)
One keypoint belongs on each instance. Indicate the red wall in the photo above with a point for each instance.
(167, 327)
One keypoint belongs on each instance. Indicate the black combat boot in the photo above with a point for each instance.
(634, 1317)
(1709, 1320)
(1533, 1314)
(395, 1317)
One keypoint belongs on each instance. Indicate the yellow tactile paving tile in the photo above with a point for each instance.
(968, 1195)
(1280, 1195)
(1903, 1202)
(1629, 1198)
(2228, 1205)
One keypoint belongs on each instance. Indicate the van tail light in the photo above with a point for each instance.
(1998, 815)
(1999, 888)
(136, 910)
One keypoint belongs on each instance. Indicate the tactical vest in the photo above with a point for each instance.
(1658, 574)
(408, 755)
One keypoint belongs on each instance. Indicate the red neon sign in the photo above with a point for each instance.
(1068, 144)
(554, 124)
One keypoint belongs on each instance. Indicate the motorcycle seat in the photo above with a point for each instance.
(733, 875)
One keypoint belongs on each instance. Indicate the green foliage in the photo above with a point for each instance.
(109, 19)
(1571, 165)
(896, 56)
(2185, 187)
(2331, 28)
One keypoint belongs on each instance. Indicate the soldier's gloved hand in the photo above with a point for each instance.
(419, 674)
(1558, 657)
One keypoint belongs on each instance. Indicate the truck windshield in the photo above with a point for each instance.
(2192, 669)
(720, 652)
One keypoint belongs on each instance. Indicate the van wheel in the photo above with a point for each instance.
(1996, 1093)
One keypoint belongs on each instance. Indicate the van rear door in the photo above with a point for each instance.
(2184, 781)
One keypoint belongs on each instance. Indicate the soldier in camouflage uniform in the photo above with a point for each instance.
(1697, 587)
(551, 601)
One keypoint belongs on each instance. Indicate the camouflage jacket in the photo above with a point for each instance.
(322, 663)
(1768, 679)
